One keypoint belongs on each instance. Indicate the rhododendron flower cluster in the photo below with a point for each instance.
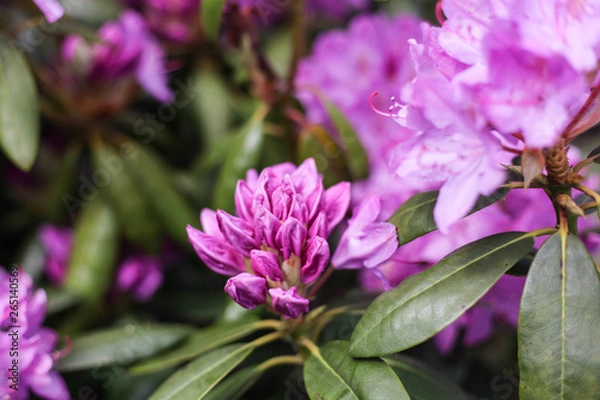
(127, 55)
(35, 342)
(276, 246)
(485, 79)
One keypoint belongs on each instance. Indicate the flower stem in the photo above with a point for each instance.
(320, 282)
(280, 360)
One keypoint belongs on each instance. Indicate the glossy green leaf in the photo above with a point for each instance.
(132, 208)
(423, 383)
(414, 218)
(93, 256)
(243, 155)
(169, 207)
(19, 119)
(559, 324)
(424, 304)
(233, 387)
(355, 154)
(197, 344)
(212, 12)
(120, 345)
(195, 380)
(331, 373)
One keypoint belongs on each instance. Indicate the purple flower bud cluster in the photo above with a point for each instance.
(276, 246)
(139, 274)
(23, 338)
(128, 54)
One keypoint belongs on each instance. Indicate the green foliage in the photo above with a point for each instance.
(197, 379)
(559, 355)
(424, 304)
(120, 345)
(331, 373)
(19, 119)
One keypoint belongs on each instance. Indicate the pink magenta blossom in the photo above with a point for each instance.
(373, 54)
(51, 9)
(278, 240)
(57, 243)
(140, 275)
(366, 242)
(127, 53)
(35, 342)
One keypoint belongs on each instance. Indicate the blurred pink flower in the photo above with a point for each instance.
(35, 342)
(128, 52)
(57, 243)
(140, 275)
(51, 9)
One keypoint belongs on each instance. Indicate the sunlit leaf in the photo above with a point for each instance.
(424, 304)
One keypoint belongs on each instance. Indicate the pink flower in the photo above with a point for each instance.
(51, 9)
(128, 52)
(278, 238)
(57, 243)
(366, 243)
(141, 275)
(247, 290)
(36, 343)
(288, 302)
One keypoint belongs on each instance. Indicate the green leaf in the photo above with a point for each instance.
(19, 119)
(559, 324)
(60, 300)
(421, 382)
(243, 154)
(120, 345)
(92, 261)
(355, 154)
(195, 380)
(424, 304)
(414, 218)
(170, 208)
(197, 344)
(125, 194)
(234, 386)
(331, 373)
(212, 12)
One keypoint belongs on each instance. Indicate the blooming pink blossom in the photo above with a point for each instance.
(278, 238)
(128, 53)
(36, 343)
